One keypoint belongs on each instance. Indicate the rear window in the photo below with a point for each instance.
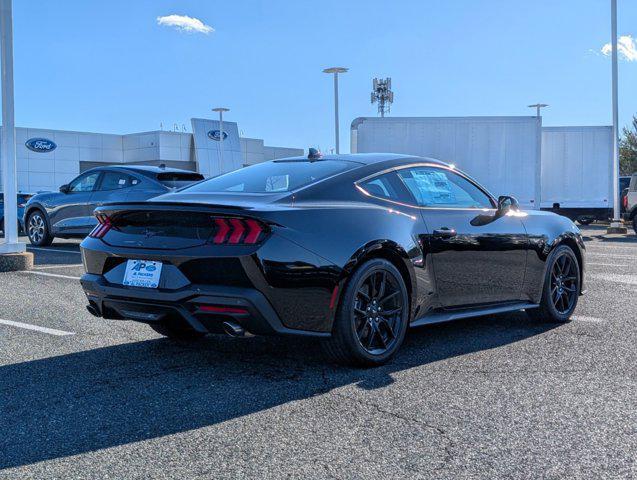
(273, 177)
(178, 179)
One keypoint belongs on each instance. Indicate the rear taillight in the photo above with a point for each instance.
(102, 227)
(625, 202)
(237, 231)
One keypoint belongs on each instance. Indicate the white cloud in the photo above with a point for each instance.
(626, 46)
(185, 24)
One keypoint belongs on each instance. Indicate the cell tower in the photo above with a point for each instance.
(383, 95)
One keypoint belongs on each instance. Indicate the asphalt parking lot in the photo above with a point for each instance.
(496, 397)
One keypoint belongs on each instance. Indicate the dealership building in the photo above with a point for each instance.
(47, 159)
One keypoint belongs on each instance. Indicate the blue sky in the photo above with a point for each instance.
(110, 67)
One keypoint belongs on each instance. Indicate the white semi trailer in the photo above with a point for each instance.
(501, 153)
(563, 169)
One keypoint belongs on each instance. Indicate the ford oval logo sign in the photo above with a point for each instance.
(40, 145)
(216, 135)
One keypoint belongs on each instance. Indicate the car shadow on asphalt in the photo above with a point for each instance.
(90, 400)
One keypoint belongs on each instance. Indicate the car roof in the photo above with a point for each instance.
(363, 158)
(146, 169)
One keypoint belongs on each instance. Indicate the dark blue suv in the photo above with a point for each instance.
(69, 212)
(23, 198)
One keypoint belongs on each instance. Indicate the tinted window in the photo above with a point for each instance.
(116, 181)
(437, 187)
(85, 183)
(383, 186)
(178, 179)
(272, 177)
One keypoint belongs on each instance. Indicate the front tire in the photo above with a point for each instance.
(372, 316)
(561, 287)
(585, 220)
(38, 229)
(635, 224)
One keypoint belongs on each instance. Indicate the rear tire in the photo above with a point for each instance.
(561, 287)
(635, 224)
(37, 229)
(177, 333)
(372, 316)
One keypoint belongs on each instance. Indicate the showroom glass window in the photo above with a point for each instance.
(85, 183)
(116, 181)
(442, 188)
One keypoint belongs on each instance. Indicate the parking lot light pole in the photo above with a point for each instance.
(12, 252)
(538, 106)
(336, 71)
(616, 225)
(220, 110)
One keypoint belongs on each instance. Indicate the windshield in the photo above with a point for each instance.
(178, 179)
(273, 177)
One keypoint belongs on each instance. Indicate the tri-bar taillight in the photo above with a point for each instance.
(103, 226)
(237, 231)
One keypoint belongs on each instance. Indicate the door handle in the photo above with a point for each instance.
(445, 232)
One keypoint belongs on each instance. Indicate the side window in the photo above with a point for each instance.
(84, 183)
(437, 187)
(383, 186)
(116, 181)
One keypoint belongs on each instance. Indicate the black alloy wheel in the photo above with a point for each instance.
(378, 311)
(372, 316)
(561, 287)
(564, 282)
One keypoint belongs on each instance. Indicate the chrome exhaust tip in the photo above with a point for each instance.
(233, 329)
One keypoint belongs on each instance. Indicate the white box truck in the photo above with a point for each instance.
(577, 179)
(501, 153)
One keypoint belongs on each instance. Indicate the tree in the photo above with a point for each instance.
(628, 149)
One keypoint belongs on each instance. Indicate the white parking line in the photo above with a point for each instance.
(45, 274)
(45, 267)
(28, 326)
(610, 255)
(59, 250)
(607, 264)
(584, 318)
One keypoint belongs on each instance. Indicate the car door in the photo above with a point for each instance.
(73, 214)
(478, 254)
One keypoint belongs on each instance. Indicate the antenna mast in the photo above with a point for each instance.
(382, 94)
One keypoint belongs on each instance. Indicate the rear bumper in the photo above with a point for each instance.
(247, 307)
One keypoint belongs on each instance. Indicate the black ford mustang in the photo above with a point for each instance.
(351, 248)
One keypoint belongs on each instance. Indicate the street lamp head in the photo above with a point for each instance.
(538, 105)
(220, 109)
(336, 70)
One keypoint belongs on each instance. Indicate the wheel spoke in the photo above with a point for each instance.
(390, 312)
(388, 297)
(390, 330)
(372, 334)
(360, 311)
(381, 287)
(363, 294)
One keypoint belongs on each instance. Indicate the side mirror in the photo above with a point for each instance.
(65, 189)
(507, 202)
